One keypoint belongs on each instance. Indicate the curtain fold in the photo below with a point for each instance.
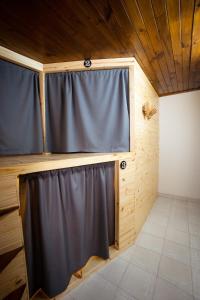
(69, 217)
(20, 117)
(87, 111)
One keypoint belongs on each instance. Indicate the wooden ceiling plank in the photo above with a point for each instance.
(194, 81)
(187, 15)
(146, 11)
(140, 29)
(157, 32)
(173, 12)
(145, 64)
(106, 13)
(165, 37)
(98, 38)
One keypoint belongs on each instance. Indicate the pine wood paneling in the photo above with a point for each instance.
(10, 232)
(146, 148)
(13, 276)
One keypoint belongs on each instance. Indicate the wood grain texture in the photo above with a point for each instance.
(13, 276)
(136, 186)
(146, 149)
(163, 35)
(10, 232)
(8, 191)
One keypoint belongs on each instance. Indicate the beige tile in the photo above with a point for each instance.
(177, 251)
(154, 229)
(126, 255)
(114, 271)
(177, 236)
(157, 210)
(158, 218)
(150, 242)
(194, 210)
(138, 283)
(163, 205)
(180, 224)
(177, 273)
(181, 202)
(196, 282)
(194, 229)
(96, 288)
(121, 295)
(165, 290)
(195, 241)
(194, 219)
(195, 258)
(145, 259)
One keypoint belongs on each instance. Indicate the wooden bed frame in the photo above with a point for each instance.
(133, 198)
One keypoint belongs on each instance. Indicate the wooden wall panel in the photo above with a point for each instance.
(10, 232)
(146, 149)
(8, 191)
(13, 276)
(126, 205)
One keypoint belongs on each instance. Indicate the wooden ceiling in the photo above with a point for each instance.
(163, 35)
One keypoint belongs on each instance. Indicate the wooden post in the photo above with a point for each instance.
(42, 104)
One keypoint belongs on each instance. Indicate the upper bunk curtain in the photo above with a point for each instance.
(20, 118)
(87, 111)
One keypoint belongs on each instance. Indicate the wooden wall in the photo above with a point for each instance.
(146, 148)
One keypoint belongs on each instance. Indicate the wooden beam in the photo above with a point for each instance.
(42, 104)
(96, 64)
(20, 59)
(131, 108)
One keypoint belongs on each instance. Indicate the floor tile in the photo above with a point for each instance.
(96, 288)
(194, 210)
(114, 271)
(194, 229)
(195, 241)
(138, 283)
(196, 282)
(121, 295)
(177, 273)
(180, 202)
(150, 242)
(154, 229)
(157, 210)
(179, 213)
(158, 218)
(194, 219)
(195, 258)
(163, 206)
(165, 290)
(145, 259)
(177, 251)
(179, 224)
(177, 236)
(126, 255)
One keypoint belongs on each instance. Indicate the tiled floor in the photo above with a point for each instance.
(164, 263)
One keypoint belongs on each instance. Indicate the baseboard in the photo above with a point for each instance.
(178, 197)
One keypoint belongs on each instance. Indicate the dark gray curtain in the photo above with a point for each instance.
(69, 217)
(20, 119)
(87, 111)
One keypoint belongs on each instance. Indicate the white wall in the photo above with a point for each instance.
(180, 145)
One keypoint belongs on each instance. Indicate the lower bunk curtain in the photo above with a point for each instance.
(69, 216)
